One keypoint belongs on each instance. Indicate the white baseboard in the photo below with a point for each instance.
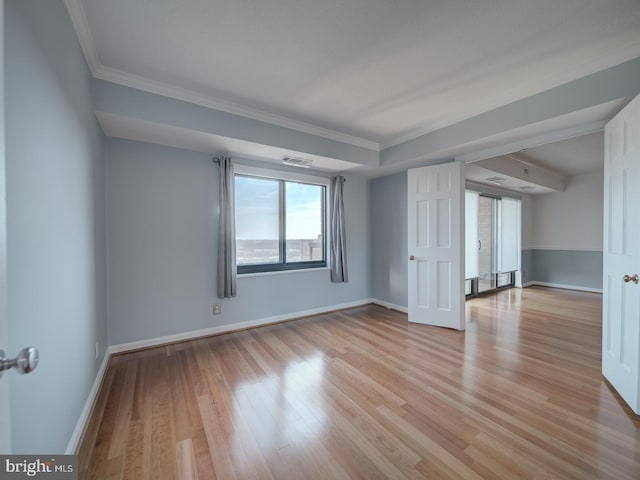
(392, 306)
(81, 425)
(566, 287)
(232, 327)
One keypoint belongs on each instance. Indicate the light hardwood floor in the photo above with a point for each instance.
(364, 394)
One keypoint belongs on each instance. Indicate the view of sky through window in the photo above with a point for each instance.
(258, 221)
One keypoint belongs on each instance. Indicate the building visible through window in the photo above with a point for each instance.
(280, 224)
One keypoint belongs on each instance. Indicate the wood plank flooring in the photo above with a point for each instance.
(364, 394)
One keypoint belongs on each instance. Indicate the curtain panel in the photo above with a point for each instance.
(226, 231)
(338, 238)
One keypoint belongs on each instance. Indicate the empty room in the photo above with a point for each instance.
(291, 240)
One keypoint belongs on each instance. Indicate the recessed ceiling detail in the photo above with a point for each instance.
(367, 72)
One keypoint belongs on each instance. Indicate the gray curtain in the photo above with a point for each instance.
(338, 240)
(226, 232)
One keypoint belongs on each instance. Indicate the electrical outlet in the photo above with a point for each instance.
(217, 308)
(97, 349)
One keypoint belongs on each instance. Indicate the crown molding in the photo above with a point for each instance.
(167, 90)
(80, 23)
(102, 72)
(81, 26)
(600, 63)
(532, 142)
(415, 133)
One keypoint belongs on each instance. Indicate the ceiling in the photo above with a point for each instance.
(562, 159)
(373, 72)
(574, 156)
(369, 73)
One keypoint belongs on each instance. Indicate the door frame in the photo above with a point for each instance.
(5, 407)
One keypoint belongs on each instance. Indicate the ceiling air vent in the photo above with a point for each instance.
(297, 162)
(527, 189)
(496, 180)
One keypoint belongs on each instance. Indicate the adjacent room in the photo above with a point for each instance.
(289, 240)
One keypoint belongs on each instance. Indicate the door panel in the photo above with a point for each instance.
(436, 245)
(621, 295)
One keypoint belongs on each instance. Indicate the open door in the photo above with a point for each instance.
(621, 288)
(5, 427)
(436, 245)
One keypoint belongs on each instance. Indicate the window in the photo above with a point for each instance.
(280, 220)
(492, 246)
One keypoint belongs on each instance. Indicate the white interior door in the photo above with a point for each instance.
(436, 245)
(621, 290)
(5, 427)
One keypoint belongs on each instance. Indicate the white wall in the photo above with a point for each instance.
(527, 221)
(162, 246)
(570, 220)
(566, 239)
(55, 223)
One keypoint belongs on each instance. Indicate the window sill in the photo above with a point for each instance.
(282, 272)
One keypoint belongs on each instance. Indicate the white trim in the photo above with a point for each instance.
(81, 425)
(563, 286)
(85, 38)
(543, 139)
(232, 327)
(167, 90)
(389, 305)
(561, 249)
(81, 26)
(88, 45)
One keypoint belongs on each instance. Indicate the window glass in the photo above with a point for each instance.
(304, 222)
(280, 223)
(257, 221)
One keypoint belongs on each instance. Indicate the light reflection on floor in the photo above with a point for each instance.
(290, 407)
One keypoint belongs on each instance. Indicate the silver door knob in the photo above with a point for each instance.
(633, 278)
(25, 362)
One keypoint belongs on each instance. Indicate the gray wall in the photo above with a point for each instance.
(566, 240)
(580, 205)
(526, 259)
(55, 222)
(388, 198)
(576, 268)
(137, 104)
(162, 244)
